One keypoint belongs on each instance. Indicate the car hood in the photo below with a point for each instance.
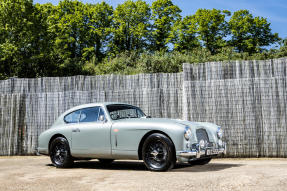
(172, 121)
(171, 124)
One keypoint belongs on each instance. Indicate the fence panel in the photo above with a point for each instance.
(247, 98)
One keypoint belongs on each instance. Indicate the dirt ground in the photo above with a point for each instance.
(37, 174)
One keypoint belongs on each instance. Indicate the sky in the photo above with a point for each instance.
(274, 10)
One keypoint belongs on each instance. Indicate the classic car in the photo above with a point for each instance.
(109, 131)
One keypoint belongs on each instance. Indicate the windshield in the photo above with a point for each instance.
(124, 111)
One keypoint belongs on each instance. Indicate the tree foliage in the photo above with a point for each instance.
(211, 28)
(165, 15)
(131, 26)
(21, 39)
(186, 34)
(78, 32)
(76, 38)
(250, 34)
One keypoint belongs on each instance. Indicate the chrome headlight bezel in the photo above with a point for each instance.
(202, 144)
(219, 132)
(187, 133)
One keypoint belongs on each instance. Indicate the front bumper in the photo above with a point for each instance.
(198, 153)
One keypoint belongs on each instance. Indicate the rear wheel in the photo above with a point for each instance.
(158, 153)
(60, 153)
(106, 161)
(200, 161)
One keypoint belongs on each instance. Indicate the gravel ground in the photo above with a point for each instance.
(35, 173)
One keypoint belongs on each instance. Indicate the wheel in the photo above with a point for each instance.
(158, 153)
(200, 161)
(106, 161)
(60, 153)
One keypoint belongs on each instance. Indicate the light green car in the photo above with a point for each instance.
(109, 131)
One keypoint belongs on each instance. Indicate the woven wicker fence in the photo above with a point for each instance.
(248, 99)
(30, 106)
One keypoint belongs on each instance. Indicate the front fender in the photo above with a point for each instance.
(129, 136)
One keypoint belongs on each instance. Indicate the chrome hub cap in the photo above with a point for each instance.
(59, 154)
(156, 154)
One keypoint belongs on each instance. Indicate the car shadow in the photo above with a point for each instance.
(116, 165)
(139, 166)
(203, 168)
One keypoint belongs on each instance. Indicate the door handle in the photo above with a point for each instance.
(76, 130)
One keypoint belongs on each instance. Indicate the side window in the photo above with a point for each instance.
(72, 117)
(89, 114)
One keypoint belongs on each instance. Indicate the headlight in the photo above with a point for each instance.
(202, 144)
(219, 132)
(187, 133)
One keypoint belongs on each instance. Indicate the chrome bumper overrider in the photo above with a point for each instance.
(209, 151)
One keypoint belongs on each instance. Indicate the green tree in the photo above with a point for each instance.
(21, 39)
(186, 32)
(211, 28)
(282, 51)
(67, 30)
(74, 38)
(79, 33)
(250, 33)
(99, 21)
(164, 16)
(46, 58)
(131, 26)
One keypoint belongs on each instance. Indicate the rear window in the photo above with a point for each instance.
(73, 117)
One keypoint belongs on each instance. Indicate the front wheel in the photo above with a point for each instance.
(158, 153)
(60, 153)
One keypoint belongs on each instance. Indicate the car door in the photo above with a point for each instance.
(91, 136)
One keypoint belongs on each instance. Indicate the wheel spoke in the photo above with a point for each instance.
(59, 153)
(156, 154)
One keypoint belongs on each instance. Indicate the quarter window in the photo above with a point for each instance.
(89, 114)
(73, 117)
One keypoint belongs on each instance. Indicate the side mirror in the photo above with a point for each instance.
(102, 118)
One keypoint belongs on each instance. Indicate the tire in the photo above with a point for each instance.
(106, 161)
(60, 153)
(200, 161)
(158, 153)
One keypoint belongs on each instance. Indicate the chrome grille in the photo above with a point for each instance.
(201, 134)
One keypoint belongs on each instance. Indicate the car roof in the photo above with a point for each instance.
(103, 104)
(94, 105)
